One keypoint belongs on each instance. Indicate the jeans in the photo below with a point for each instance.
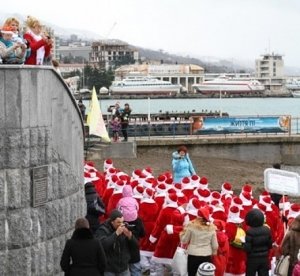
(124, 273)
(135, 269)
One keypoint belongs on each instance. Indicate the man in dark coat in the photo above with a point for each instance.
(83, 255)
(95, 206)
(257, 244)
(117, 241)
(125, 113)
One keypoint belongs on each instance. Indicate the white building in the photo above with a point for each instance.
(269, 70)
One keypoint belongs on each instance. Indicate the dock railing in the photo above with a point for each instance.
(218, 127)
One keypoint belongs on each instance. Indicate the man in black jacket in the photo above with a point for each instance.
(117, 241)
(257, 244)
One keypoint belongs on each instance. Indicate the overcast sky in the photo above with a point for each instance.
(232, 29)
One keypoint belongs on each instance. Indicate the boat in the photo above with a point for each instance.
(234, 86)
(296, 93)
(293, 84)
(137, 84)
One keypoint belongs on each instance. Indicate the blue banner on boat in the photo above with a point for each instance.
(206, 125)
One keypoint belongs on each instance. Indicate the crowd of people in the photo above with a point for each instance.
(32, 47)
(140, 220)
(119, 121)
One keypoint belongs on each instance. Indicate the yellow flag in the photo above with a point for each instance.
(95, 119)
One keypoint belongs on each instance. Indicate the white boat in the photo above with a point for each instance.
(293, 84)
(137, 84)
(224, 84)
(296, 94)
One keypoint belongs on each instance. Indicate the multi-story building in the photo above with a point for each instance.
(111, 53)
(184, 74)
(269, 70)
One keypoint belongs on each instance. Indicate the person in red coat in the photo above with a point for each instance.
(39, 43)
(220, 260)
(236, 264)
(148, 212)
(165, 243)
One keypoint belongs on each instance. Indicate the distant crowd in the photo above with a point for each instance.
(30, 44)
(137, 222)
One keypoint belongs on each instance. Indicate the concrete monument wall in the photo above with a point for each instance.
(40, 125)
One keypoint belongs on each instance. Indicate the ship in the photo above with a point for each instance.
(229, 86)
(137, 84)
(293, 84)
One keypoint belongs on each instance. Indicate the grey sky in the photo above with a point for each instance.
(233, 29)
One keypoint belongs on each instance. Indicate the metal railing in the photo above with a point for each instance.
(141, 129)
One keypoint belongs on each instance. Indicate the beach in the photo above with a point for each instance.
(216, 170)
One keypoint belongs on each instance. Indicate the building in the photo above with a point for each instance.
(269, 70)
(184, 74)
(74, 51)
(111, 53)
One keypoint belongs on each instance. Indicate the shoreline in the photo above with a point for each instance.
(182, 96)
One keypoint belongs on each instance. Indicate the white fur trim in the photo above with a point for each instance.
(152, 239)
(169, 229)
(181, 210)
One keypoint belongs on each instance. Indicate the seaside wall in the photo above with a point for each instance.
(40, 125)
(261, 149)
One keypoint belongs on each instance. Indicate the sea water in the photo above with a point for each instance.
(233, 106)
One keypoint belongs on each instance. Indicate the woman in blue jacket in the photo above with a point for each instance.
(182, 164)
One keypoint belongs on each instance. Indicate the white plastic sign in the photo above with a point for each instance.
(282, 182)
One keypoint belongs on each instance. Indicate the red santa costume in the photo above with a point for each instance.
(115, 197)
(237, 257)
(108, 163)
(148, 213)
(160, 195)
(220, 260)
(165, 244)
(187, 188)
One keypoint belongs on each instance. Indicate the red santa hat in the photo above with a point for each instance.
(136, 174)
(226, 188)
(89, 166)
(134, 183)
(161, 188)
(236, 201)
(234, 215)
(7, 30)
(111, 171)
(119, 185)
(114, 178)
(246, 198)
(138, 191)
(171, 199)
(177, 186)
(247, 188)
(195, 180)
(203, 212)
(204, 195)
(266, 200)
(215, 195)
(161, 179)
(108, 163)
(148, 183)
(148, 193)
(90, 176)
(264, 194)
(294, 211)
(193, 206)
(169, 182)
(185, 181)
(260, 206)
(147, 171)
(203, 183)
